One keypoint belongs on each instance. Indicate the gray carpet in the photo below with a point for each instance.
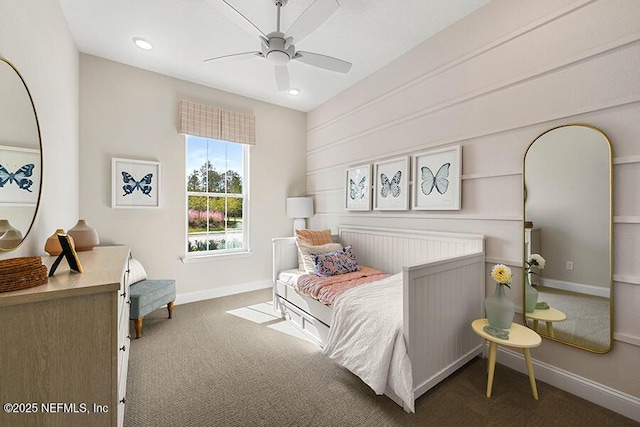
(212, 366)
(587, 323)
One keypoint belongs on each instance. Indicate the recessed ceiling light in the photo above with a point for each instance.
(294, 91)
(142, 43)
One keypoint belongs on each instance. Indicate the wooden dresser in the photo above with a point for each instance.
(64, 347)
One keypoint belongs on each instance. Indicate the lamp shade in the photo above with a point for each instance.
(299, 207)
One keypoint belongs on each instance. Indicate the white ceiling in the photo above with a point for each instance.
(367, 33)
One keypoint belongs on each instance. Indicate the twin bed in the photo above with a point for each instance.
(409, 330)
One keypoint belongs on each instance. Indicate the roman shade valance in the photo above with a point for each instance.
(216, 123)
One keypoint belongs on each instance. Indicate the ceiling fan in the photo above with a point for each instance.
(278, 48)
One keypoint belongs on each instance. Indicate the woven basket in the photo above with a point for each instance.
(22, 273)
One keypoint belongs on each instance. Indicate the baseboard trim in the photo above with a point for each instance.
(626, 338)
(607, 397)
(221, 292)
(576, 287)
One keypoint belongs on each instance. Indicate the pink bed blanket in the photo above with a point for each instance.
(326, 289)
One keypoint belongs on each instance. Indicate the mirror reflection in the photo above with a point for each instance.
(568, 217)
(20, 158)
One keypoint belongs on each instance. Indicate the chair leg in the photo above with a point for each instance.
(170, 309)
(138, 326)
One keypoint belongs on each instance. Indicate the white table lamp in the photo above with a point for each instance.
(299, 208)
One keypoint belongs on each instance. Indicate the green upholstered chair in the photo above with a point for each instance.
(147, 295)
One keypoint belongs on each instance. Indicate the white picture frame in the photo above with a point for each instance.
(391, 184)
(135, 183)
(437, 179)
(358, 188)
(20, 175)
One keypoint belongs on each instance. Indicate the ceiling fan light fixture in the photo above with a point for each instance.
(278, 57)
(294, 91)
(142, 43)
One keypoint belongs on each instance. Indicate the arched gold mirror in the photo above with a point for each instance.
(20, 158)
(568, 185)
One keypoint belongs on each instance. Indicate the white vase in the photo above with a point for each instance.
(84, 236)
(10, 239)
(5, 226)
(500, 310)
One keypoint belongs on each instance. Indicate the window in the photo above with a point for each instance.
(216, 196)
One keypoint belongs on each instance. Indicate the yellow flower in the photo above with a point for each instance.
(501, 274)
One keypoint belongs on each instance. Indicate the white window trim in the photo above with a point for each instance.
(211, 256)
(225, 253)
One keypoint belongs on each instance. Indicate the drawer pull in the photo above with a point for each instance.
(123, 348)
(124, 294)
(123, 400)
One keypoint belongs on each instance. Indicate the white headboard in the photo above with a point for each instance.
(391, 249)
(387, 249)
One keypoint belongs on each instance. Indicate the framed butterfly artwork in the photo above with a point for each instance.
(20, 173)
(358, 188)
(437, 179)
(391, 184)
(135, 183)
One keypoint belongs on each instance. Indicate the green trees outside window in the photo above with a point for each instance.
(216, 195)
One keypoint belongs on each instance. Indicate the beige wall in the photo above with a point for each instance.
(34, 36)
(131, 113)
(492, 83)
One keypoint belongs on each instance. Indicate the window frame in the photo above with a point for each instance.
(246, 249)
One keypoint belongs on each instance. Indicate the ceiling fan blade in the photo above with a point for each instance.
(255, 52)
(311, 18)
(323, 61)
(288, 42)
(244, 22)
(282, 77)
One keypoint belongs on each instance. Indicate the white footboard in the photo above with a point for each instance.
(440, 301)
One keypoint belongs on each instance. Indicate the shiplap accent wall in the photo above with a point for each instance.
(492, 83)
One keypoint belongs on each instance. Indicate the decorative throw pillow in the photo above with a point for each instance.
(311, 238)
(136, 271)
(338, 262)
(308, 251)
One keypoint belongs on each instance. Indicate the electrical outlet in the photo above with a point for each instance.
(570, 265)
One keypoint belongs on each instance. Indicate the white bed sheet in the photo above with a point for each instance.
(289, 277)
(366, 337)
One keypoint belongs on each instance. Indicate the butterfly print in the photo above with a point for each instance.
(356, 191)
(19, 177)
(392, 186)
(438, 181)
(144, 185)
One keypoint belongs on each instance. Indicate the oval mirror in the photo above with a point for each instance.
(567, 176)
(20, 158)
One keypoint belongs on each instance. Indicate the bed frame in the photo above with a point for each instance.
(443, 292)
